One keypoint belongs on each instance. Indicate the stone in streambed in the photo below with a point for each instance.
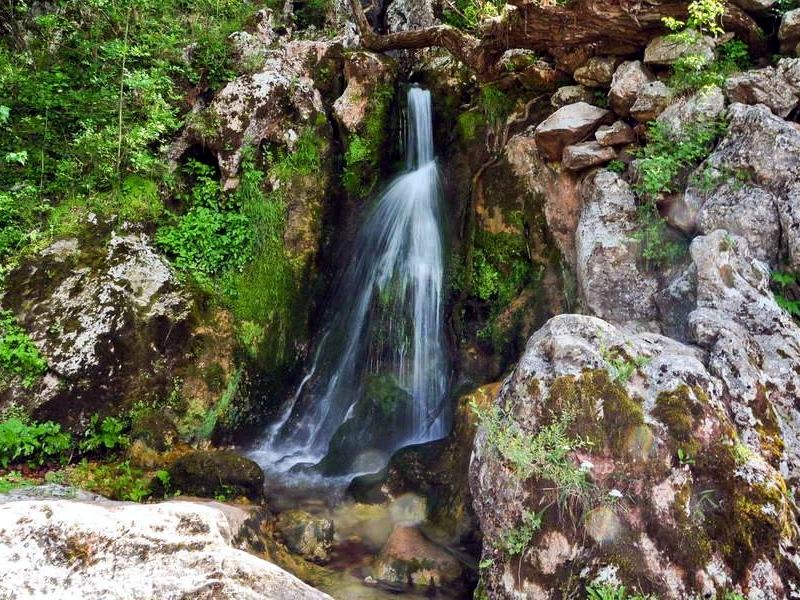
(304, 534)
(409, 557)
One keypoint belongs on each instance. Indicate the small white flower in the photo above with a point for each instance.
(586, 466)
(615, 494)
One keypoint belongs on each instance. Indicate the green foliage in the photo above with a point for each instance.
(468, 14)
(546, 455)
(468, 124)
(18, 356)
(14, 480)
(496, 105)
(117, 481)
(659, 246)
(694, 72)
(786, 287)
(704, 16)
(617, 166)
(516, 541)
(684, 458)
(106, 434)
(34, 443)
(620, 367)
(612, 592)
(362, 158)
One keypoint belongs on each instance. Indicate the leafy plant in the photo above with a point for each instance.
(785, 286)
(517, 540)
(620, 367)
(684, 458)
(105, 434)
(31, 442)
(612, 592)
(18, 356)
(117, 481)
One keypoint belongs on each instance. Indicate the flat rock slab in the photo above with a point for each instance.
(568, 125)
(589, 154)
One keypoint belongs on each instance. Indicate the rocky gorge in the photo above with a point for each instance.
(620, 299)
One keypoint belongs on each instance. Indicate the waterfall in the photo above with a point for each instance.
(379, 375)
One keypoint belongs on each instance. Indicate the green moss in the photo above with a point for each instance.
(468, 124)
(680, 412)
(605, 413)
(363, 154)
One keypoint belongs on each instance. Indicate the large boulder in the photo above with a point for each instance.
(597, 72)
(304, 534)
(775, 87)
(579, 157)
(704, 106)
(613, 457)
(110, 318)
(568, 125)
(571, 94)
(612, 282)
(653, 98)
(59, 548)
(214, 473)
(615, 135)
(627, 81)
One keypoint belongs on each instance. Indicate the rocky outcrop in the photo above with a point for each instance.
(568, 125)
(611, 279)
(651, 100)
(669, 49)
(110, 319)
(776, 87)
(597, 72)
(702, 107)
(579, 157)
(618, 134)
(627, 81)
(100, 549)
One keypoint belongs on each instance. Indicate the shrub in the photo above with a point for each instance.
(105, 434)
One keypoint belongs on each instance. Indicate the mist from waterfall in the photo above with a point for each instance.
(379, 377)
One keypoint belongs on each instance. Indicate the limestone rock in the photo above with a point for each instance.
(748, 211)
(306, 535)
(704, 106)
(789, 31)
(568, 125)
(667, 50)
(248, 50)
(615, 135)
(670, 399)
(609, 277)
(404, 15)
(101, 316)
(652, 100)
(409, 556)
(628, 80)
(571, 94)
(586, 155)
(209, 473)
(597, 72)
(776, 87)
(765, 151)
(64, 549)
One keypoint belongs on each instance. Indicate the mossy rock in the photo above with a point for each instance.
(306, 535)
(154, 431)
(217, 473)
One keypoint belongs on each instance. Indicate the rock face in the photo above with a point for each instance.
(568, 125)
(776, 87)
(102, 317)
(609, 276)
(703, 106)
(212, 473)
(571, 94)
(615, 135)
(408, 557)
(789, 32)
(597, 72)
(118, 550)
(652, 99)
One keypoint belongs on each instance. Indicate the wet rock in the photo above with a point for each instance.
(776, 87)
(101, 313)
(120, 550)
(748, 211)
(597, 72)
(789, 31)
(579, 157)
(306, 535)
(652, 100)
(610, 279)
(704, 106)
(618, 134)
(571, 94)
(667, 50)
(217, 472)
(627, 81)
(409, 557)
(568, 125)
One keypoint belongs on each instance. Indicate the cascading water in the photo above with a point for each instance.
(380, 374)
